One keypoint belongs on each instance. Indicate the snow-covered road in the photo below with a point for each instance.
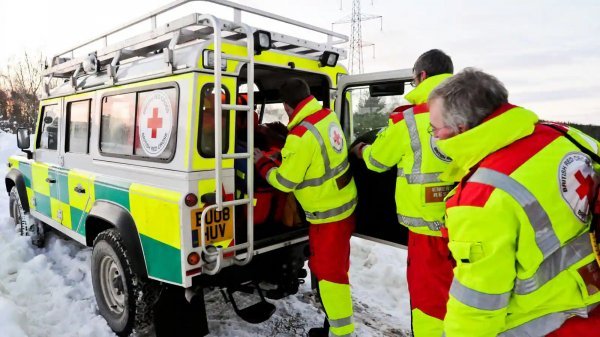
(48, 292)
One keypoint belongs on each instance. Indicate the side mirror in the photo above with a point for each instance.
(23, 141)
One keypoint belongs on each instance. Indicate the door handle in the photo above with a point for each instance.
(50, 180)
(79, 189)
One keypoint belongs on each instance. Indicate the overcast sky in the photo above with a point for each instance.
(547, 52)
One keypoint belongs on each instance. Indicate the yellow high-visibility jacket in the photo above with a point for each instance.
(406, 143)
(315, 165)
(518, 227)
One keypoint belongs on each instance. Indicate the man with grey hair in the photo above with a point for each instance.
(405, 145)
(518, 221)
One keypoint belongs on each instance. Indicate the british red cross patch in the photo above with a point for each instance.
(576, 179)
(336, 137)
(155, 123)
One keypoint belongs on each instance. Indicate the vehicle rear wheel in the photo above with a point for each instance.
(24, 225)
(124, 299)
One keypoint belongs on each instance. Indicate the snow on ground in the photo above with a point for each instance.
(48, 292)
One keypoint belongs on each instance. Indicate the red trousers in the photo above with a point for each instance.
(330, 250)
(580, 327)
(429, 273)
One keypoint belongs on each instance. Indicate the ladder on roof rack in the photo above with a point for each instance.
(189, 28)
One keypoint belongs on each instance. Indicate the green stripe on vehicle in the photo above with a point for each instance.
(113, 193)
(163, 261)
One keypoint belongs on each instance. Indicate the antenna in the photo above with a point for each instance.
(355, 59)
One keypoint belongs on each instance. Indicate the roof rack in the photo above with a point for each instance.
(186, 29)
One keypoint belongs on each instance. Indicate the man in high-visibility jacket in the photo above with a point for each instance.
(518, 221)
(315, 167)
(407, 145)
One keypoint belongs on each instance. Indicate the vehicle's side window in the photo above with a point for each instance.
(140, 124)
(369, 112)
(49, 126)
(78, 126)
(118, 124)
(206, 138)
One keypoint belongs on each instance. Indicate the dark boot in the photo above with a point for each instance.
(318, 332)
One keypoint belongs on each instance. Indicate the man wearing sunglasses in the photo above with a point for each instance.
(407, 144)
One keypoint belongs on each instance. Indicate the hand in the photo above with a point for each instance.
(257, 155)
(357, 150)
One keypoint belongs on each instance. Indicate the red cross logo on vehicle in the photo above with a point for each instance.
(154, 122)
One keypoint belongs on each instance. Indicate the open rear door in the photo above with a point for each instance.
(364, 103)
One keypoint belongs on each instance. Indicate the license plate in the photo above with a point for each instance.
(218, 226)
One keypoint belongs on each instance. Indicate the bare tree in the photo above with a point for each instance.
(22, 80)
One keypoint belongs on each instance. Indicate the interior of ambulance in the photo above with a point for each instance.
(278, 217)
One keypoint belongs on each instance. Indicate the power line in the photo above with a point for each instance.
(355, 58)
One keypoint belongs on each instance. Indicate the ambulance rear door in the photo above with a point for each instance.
(363, 104)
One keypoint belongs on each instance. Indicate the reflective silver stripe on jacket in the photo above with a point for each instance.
(546, 239)
(377, 164)
(559, 261)
(477, 299)
(419, 222)
(416, 177)
(328, 175)
(544, 325)
(331, 334)
(420, 178)
(283, 181)
(329, 172)
(280, 179)
(556, 258)
(341, 322)
(321, 215)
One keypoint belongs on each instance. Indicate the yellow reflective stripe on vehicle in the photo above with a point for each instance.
(545, 237)
(81, 180)
(477, 299)
(559, 261)
(156, 213)
(40, 174)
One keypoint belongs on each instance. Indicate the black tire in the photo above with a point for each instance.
(124, 299)
(35, 231)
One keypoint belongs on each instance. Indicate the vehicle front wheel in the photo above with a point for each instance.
(23, 223)
(124, 299)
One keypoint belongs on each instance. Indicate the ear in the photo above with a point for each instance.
(462, 128)
(288, 109)
(422, 76)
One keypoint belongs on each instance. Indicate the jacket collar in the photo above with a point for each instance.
(505, 126)
(420, 94)
(304, 109)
